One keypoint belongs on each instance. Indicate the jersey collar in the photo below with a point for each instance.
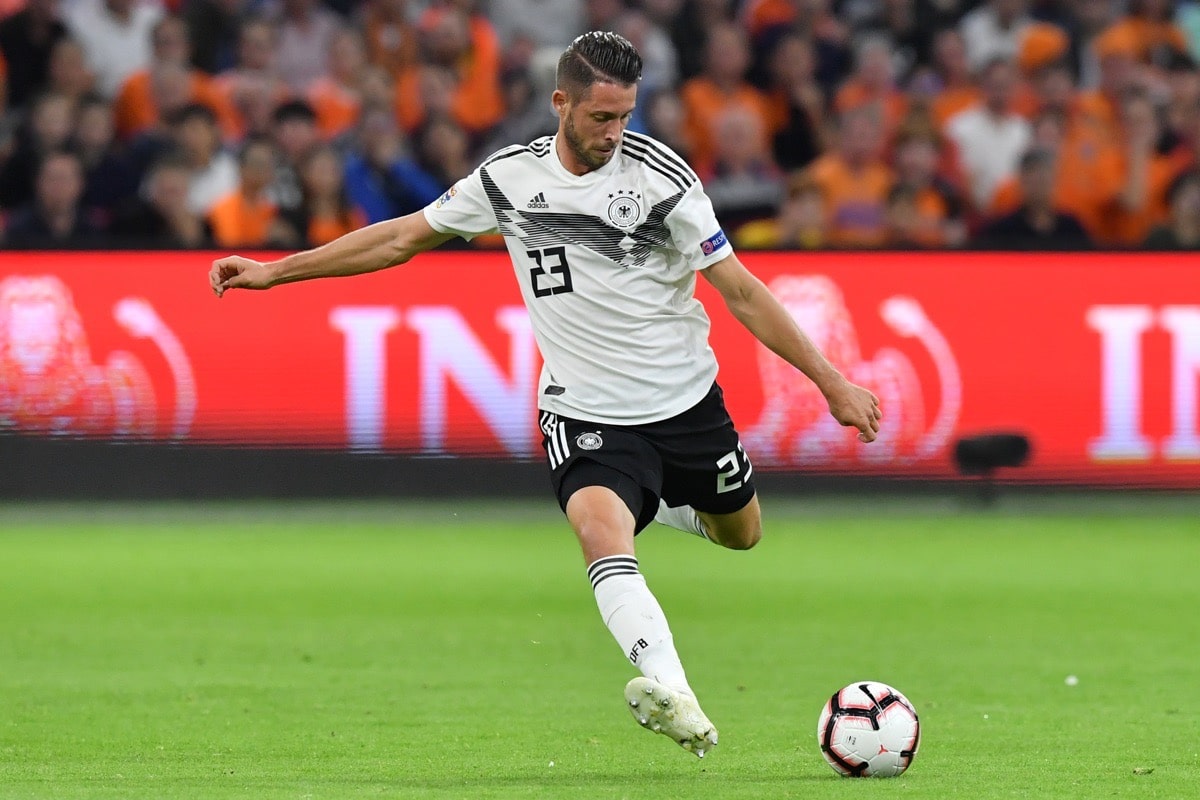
(589, 176)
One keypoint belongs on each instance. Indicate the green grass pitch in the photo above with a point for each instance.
(432, 651)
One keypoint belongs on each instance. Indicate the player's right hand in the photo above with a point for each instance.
(235, 272)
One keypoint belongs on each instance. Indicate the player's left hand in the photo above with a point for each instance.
(854, 406)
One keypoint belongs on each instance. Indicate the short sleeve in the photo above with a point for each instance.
(463, 210)
(696, 232)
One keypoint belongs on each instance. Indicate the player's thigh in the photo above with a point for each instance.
(583, 454)
(602, 520)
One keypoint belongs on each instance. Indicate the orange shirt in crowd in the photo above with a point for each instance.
(1147, 35)
(238, 221)
(326, 228)
(1067, 197)
(1041, 44)
(952, 100)
(337, 107)
(227, 85)
(853, 95)
(855, 200)
(704, 103)
(1096, 109)
(135, 111)
(478, 102)
(932, 213)
(1090, 173)
(392, 46)
(762, 14)
(1026, 101)
(1088, 181)
(1125, 227)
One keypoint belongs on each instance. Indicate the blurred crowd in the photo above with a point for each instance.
(1000, 124)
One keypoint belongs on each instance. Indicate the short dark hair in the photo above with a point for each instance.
(190, 112)
(1036, 157)
(93, 99)
(293, 110)
(994, 63)
(1179, 61)
(171, 159)
(598, 57)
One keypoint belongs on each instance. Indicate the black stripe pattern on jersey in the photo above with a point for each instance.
(538, 147)
(538, 229)
(507, 152)
(604, 568)
(658, 158)
(661, 151)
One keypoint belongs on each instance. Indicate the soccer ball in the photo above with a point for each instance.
(868, 729)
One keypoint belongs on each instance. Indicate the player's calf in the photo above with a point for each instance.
(740, 530)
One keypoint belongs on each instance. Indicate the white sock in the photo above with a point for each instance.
(636, 620)
(682, 518)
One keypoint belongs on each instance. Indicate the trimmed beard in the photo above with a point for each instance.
(575, 145)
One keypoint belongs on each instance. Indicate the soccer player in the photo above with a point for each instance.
(607, 230)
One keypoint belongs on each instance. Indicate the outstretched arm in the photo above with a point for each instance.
(375, 247)
(752, 303)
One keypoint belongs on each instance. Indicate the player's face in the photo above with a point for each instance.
(592, 125)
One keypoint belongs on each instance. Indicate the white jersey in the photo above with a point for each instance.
(607, 265)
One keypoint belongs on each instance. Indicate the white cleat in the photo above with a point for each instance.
(671, 713)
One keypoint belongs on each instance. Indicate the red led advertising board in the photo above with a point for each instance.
(1095, 357)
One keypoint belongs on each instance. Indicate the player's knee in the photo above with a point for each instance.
(741, 531)
(746, 535)
(602, 522)
(597, 528)
(746, 527)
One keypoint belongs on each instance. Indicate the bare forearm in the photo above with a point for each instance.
(368, 249)
(765, 317)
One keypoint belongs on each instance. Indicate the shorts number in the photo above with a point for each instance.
(551, 261)
(729, 466)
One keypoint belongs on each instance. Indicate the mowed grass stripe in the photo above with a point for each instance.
(384, 658)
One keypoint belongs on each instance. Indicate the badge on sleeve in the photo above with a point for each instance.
(453, 190)
(713, 243)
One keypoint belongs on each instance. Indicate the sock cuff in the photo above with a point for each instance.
(602, 569)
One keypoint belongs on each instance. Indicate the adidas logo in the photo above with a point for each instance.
(538, 201)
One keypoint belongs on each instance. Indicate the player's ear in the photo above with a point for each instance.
(560, 101)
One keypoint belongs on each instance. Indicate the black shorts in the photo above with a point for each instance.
(693, 458)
